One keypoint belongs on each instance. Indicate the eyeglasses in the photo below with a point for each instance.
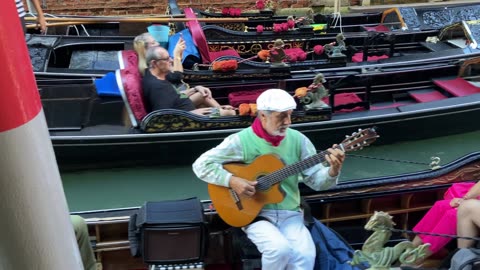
(169, 59)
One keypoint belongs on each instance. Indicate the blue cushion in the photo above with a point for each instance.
(107, 85)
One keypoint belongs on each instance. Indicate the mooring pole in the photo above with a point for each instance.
(35, 228)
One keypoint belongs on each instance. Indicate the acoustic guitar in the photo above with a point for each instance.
(269, 170)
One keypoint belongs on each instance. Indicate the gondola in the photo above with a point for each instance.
(57, 56)
(399, 94)
(345, 208)
(406, 102)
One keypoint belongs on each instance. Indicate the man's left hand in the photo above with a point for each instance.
(335, 158)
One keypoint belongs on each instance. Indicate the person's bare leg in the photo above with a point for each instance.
(197, 100)
(224, 112)
(211, 102)
(468, 222)
(417, 241)
(200, 101)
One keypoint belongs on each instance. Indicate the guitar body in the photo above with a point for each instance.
(239, 210)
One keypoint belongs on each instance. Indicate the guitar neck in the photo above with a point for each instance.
(267, 181)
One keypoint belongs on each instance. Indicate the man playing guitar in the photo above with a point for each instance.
(259, 195)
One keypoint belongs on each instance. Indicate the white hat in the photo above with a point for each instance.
(277, 100)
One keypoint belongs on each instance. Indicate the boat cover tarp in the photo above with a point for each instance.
(94, 60)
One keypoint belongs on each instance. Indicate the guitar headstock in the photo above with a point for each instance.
(359, 139)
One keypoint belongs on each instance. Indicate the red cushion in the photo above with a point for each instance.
(296, 54)
(237, 98)
(229, 52)
(132, 85)
(128, 59)
(345, 98)
(427, 96)
(457, 87)
(378, 28)
(358, 57)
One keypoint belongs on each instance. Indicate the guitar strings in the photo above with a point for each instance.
(267, 181)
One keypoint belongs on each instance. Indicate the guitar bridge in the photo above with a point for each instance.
(236, 199)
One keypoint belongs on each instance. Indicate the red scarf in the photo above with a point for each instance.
(260, 132)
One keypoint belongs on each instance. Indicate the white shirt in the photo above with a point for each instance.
(20, 8)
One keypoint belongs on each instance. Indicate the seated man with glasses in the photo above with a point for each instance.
(160, 93)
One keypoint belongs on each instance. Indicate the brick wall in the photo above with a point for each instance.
(145, 7)
(390, 2)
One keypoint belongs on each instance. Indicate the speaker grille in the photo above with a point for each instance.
(172, 245)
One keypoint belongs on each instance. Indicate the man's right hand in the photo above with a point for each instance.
(242, 186)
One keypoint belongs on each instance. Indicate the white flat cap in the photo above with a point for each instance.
(277, 100)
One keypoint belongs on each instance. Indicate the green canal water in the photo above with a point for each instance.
(130, 187)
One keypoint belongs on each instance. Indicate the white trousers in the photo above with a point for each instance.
(284, 241)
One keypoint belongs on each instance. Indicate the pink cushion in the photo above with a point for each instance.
(358, 57)
(427, 96)
(132, 85)
(457, 87)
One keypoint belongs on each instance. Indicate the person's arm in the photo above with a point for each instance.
(473, 193)
(209, 166)
(318, 177)
(178, 55)
(40, 17)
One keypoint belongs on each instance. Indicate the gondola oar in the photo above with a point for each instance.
(31, 26)
(137, 20)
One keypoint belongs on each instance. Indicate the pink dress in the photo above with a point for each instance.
(442, 219)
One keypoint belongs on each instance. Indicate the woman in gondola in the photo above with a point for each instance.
(442, 217)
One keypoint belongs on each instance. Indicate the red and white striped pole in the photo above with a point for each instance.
(35, 228)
